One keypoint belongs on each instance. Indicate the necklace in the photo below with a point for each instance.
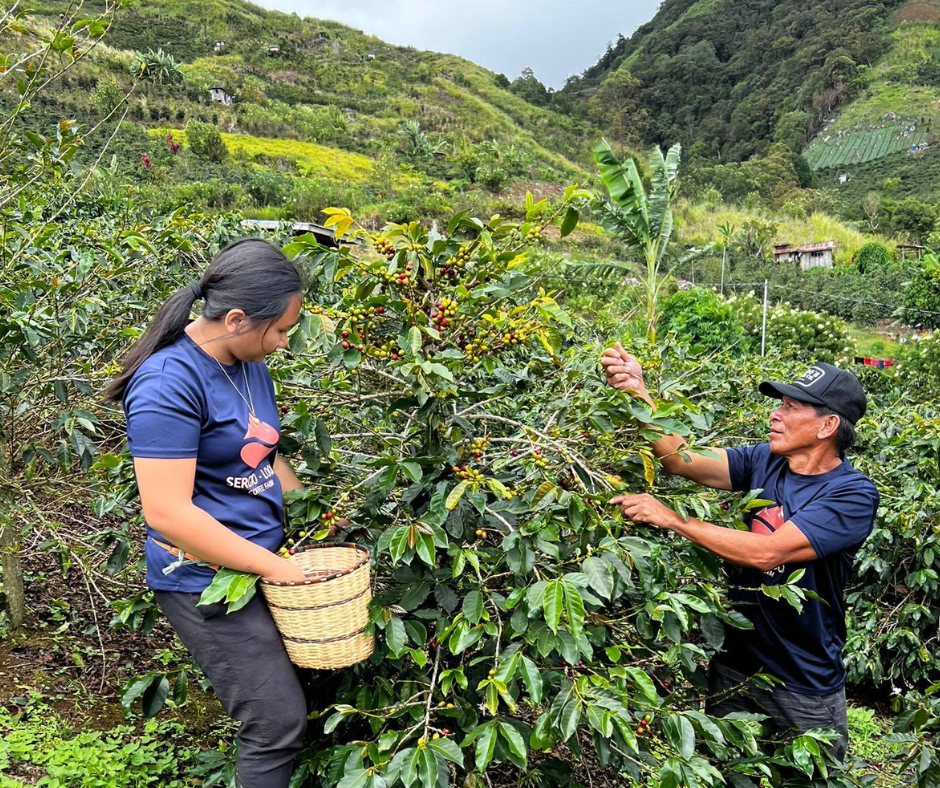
(249, 401)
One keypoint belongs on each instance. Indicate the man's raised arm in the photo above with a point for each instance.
(625, 374)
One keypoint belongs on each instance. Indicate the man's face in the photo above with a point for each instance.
(794, 426)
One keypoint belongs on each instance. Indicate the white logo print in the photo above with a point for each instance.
(812, 375)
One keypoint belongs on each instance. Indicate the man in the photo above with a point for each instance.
(822, 511)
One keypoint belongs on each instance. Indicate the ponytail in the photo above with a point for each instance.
(250, 274)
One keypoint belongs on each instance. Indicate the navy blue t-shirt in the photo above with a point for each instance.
(179, 405)
(835, 511)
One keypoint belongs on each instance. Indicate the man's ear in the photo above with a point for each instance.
(236, 321)
(829, 427)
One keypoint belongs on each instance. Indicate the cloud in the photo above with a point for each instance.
(555, 38)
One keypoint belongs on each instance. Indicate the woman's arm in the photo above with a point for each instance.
(166, 492)
(286, 475)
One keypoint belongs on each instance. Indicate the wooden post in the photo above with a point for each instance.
(10, 567)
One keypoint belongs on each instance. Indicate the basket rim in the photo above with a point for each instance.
(364, 558)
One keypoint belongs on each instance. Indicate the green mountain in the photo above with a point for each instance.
(312, 112)
(729, 77)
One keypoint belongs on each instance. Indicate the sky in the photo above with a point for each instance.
(555, 37)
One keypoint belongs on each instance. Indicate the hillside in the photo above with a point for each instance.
(892, 129)
(728, 77)
(319, 112)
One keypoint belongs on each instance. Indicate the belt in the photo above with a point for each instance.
(177, 552)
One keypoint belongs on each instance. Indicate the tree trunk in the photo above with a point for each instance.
(10, 567)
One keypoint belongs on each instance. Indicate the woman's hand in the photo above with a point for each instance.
(338, 525)
(285, 572)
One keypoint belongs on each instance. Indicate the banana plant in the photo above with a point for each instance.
(726, 231)
(643, 218)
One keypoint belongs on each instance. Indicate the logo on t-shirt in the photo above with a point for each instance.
(262, 439)
(766, 521)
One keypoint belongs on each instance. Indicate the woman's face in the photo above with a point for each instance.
(256, 342)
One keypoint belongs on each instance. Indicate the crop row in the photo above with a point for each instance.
(861, 146)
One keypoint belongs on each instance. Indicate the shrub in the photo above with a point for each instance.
(205, 141)
(920, 364)
(266, 188)
(214, 193)
(872, 256)
(700, 317)
(922, 298)
(493, 176)
(309, 196)
(107, 96)
(794, 333)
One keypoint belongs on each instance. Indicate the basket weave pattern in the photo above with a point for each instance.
(323, 621)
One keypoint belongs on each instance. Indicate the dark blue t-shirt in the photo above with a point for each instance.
(835, 511)
(180, 405)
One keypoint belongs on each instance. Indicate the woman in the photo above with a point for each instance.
(202, 425)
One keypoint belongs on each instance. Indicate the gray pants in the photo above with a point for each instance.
(243, 656)
(790, 713)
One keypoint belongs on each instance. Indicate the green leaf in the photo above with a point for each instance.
(413, 341)
(598, 576)
(641, 679)
(574, 607)
(448, 750)
(155, 696)
(532, 679)
(498, 487)
(322, 435)
(412, 470)
(118, 558)
(569, 717)
(473, 607)
(469, 637)
(687, 740)
(456, 494)
(425, 548)
(134, 689)
(570, 221)
(486, 744)
(515, 743)
(395, 636)
(358, 778)
(427, 767)
(181, 688)
(217, 590)
(553, 603)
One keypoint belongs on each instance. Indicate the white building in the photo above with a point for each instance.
(221, 96)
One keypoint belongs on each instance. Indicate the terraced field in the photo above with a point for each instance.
(858, 147)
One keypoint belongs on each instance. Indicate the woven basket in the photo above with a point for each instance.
(323, 621)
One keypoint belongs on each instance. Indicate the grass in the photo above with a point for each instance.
(871, 343)
(906, 101)
(917, 12)
(698, 224)
(318, 160)
(867, 733)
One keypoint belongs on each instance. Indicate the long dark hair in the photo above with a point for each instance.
(250, 274)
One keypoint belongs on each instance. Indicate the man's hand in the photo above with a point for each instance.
(623, 370)
(644, 508)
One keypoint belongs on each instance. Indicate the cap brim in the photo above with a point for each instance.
(770, 388)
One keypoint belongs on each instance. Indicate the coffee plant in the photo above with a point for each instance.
(440, 400)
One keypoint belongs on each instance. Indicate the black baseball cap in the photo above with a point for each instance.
(823, 384)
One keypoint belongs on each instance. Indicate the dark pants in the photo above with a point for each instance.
(243, 656)
(790, 713)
